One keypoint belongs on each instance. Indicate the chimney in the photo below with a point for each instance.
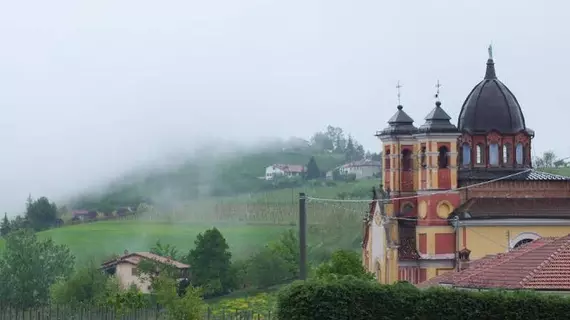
(463, 259)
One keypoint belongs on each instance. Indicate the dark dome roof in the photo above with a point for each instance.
(437, 121)
(400, 123)
(491, 106)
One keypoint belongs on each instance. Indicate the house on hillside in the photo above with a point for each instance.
(125, 268)
(362, 169)
(83, 215)
(542, 265)
(284, 170)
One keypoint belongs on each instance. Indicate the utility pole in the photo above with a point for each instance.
(302, 237)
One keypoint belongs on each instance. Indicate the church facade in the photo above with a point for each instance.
(460, 190)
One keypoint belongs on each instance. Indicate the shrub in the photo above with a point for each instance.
(350, 298)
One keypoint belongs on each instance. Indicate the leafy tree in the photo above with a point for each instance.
(166, 250)
(375, 156)
(343, 263)
(336, 135)
(312, 170)
(359, 151)
(322, 142)
(267, 268)
(547, 160)
(211, 263)
(87, 285)
(189, 306)
(19, 223)
(287, 247)
(350, 152)
(123, 301)
(5, 226)
(29, 267)
(41, 213)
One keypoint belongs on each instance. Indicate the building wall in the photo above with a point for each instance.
(484, 240)
(126, 278)
(378, 246)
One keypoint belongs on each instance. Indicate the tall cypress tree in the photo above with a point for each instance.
(5, 226)
(313, 171)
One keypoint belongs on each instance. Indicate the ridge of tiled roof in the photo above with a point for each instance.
(554, 272)
(543, 264)
(134, 258)
(491, 174)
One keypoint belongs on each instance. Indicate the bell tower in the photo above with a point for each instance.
(400, 180)
(437, 179)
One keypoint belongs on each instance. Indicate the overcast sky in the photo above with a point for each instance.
(91, 88)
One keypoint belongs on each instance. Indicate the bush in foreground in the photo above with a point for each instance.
(350, 298)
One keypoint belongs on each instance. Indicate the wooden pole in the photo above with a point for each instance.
(302, 237)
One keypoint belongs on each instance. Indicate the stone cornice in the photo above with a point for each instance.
(512, 222)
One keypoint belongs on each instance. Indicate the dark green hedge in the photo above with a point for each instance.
(354, 299)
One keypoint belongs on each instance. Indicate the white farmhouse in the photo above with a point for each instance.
(362, 168)
(284, 170)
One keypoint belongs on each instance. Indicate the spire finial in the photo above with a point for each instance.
(399, 86)
(437, 86)
(490, 72)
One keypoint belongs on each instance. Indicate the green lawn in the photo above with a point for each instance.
(247, 222)
(99, 240)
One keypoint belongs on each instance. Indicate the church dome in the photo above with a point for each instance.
(491, 106)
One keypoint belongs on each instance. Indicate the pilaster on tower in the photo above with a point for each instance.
(437, 140)
(398, 152)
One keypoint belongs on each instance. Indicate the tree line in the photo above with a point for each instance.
(35, 273)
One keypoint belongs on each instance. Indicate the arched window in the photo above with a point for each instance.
(494, 154)
(387, 159)
(507, 154)
(406, 159)
(522, 242)
(407, 208)
(466, 154)
(443, 157)
(479, 154)
(423, 157)
(523, 238)
(519, 153)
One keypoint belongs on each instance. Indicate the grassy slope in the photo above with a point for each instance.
(101, 239)
(210, 175)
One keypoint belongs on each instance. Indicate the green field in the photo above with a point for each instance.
(102, 239)
(247, 222)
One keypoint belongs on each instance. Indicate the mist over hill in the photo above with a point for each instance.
(219, 169)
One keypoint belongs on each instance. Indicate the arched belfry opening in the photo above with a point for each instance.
(406, 159)
(443, 157)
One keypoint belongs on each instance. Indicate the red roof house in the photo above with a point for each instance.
(543, 264)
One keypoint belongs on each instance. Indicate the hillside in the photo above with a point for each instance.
(205, 176)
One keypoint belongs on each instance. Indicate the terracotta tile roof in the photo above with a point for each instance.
(297, 168)
(543, 264)
(363, 163)
(486, 174)
(136, 257)
(498, 208)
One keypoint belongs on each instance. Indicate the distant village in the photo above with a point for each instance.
(361, 169)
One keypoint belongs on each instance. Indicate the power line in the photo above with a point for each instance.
(425, 194)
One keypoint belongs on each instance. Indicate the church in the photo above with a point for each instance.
(460, 191)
